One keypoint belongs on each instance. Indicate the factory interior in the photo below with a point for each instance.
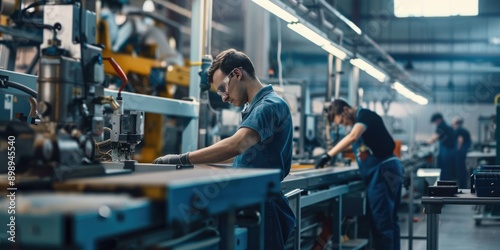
(249, 124)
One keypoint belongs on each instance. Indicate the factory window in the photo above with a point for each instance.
(435, 8)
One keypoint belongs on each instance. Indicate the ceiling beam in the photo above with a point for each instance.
(432, 41)
(456, 71)
(446, 56)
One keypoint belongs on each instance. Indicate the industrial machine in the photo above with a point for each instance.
(69, 185)
(69, 93)
(67, 111)
(144, 54)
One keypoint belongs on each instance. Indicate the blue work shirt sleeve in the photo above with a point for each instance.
(262, 120)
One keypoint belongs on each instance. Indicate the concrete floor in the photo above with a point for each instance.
(456, 230)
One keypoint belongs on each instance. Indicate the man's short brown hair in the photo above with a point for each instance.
(228, 60)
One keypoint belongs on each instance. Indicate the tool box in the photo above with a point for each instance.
(486, 180)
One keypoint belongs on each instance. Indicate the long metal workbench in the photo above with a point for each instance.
(333, 185)
(143, 210)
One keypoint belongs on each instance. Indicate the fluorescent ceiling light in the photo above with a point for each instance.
(369, 69)
(354, 27)
(330, 48)
(377, 74)
(301, 29)
(360, 63)
(402, 90)
(148, 6)
(308, 34)
(276, 10)
(433, 8)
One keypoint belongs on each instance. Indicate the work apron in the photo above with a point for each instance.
(383, 179)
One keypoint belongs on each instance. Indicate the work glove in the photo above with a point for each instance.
(322, 160)
(182, 159)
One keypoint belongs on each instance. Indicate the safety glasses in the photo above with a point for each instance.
(224, 85)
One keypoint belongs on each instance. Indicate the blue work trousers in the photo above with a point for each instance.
(279, 223)
(383, 180)
(446, 162)
(383, 187)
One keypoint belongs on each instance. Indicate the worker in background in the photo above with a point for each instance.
(263, 140)
(381, 171)
(447, 147)
(463, 145)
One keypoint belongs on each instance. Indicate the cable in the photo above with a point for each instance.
(103, 143)
(280, 70)
(36, 25)
(120, 73)
(40, 25)
(33, 5)
(186, 237)
(18, 86)
(210, 104)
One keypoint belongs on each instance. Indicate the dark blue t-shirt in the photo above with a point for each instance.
(466, 138)
(447, 136)
(270, 117)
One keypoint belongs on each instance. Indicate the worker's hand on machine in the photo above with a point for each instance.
(173, 159)
(322, 160)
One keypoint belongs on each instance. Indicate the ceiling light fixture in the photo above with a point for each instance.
(337, 52)
(369, 69)
(308, 34)
(276, 10)
(402, 90)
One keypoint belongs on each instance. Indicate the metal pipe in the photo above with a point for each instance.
(187, 13)
(382, 51)
(304, 11)
(338, 72)
(33, 102)
(208, 26)
(341, 17)
(190, 133)
(329, 87)
(21, 87)
(410, 212)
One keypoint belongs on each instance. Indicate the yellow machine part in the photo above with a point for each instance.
(142, 66)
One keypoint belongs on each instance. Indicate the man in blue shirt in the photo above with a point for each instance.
(447, 147)
(264, 139)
